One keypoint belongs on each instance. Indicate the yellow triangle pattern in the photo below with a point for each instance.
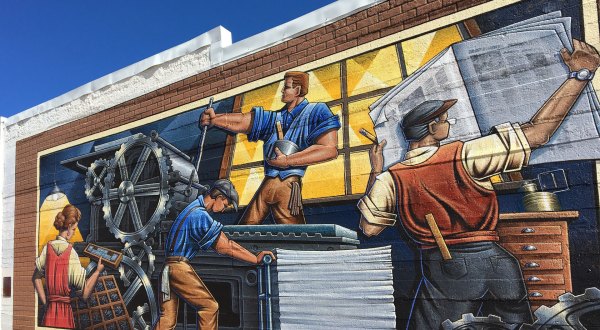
(324, 84)
(246, 182)
(414, 51)
(359, 118)
(373, 70)
(441, 40)
(419, 50)
(356, 68)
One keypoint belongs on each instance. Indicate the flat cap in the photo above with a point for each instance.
(228, 190)
(414, 124)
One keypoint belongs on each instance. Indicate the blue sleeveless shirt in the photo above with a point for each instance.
(303, 125)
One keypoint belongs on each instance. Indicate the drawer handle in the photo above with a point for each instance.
(532, 265)
(529, 248)
(528, 230)
(536, 294)
(534, 279)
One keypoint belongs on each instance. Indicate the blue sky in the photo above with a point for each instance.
(48, 48)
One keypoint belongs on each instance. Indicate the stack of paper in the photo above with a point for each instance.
(502, 76)
(347, 289)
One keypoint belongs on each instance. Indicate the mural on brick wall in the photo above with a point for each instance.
(270, 209)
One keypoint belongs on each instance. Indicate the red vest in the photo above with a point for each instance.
(59, 313)
(464, 211)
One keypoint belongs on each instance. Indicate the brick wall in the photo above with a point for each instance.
(365, 26)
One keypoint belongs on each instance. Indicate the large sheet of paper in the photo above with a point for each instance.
(503, 76)
(510, 76)
(441, 80)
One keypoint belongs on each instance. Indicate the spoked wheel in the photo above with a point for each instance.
(136, 191)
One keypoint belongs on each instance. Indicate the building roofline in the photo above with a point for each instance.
(221, 50)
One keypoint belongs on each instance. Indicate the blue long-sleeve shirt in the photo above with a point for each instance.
(198, 231)
(303, 125)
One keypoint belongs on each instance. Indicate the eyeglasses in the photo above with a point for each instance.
(450, 121)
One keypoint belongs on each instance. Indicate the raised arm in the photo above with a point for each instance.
(324, 149)
(377, 205)
(546, 121)
(233, 122)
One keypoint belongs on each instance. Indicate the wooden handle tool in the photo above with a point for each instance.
(437, 235)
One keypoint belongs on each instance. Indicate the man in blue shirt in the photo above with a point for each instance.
(194, 229)
(311, 126)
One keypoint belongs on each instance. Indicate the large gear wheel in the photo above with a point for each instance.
(470, 322)
(136, 194)
(568, 312)
(94, 180)
(142, 254)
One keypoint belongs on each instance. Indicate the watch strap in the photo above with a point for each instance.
(575, 73)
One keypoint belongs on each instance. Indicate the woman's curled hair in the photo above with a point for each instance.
(67, 217)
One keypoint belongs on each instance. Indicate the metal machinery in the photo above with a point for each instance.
(136, 186)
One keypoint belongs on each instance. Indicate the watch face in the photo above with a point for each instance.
(583, 74)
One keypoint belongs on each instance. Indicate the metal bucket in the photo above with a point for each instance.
(285, 146)
(541, 201)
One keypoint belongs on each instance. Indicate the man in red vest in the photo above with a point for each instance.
(447, 206)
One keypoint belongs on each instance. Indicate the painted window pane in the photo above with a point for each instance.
(359, 118)
(324, 84)
(324, 179)
(360, 169)
(246, 182)
(419, 50)
(267, 97)
(246, 151)
(373, 70)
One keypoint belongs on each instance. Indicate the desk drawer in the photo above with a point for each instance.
(534, 279)
(539, 295)
(533, 248)
(541, 264)
(529, 230)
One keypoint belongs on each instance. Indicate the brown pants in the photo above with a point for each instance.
(185, 283)
(273, 195)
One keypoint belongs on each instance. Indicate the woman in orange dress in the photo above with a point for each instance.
(59, 264)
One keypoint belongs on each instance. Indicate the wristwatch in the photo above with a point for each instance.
(582, 75)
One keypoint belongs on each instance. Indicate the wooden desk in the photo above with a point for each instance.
(540, 241)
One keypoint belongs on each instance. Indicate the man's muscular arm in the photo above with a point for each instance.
(324, 149)
(225, 246)
(233, 122)
(376, 160)
(546, 121)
